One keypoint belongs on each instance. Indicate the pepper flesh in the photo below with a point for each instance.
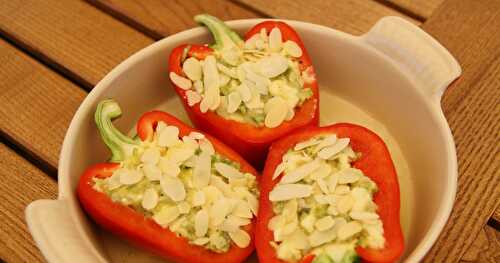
(250, 141)
(375, 162)
(133, 226)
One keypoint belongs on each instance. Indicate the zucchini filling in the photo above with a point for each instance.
(184, 185)
(257, 81)
(322, 205)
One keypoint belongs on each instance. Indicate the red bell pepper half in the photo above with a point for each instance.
(375, 162)
(134, 226)
(250, 141)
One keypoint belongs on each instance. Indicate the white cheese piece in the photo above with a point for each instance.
(179, 81)
(284, 192)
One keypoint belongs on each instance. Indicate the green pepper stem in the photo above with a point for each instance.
(225, 38)
(120, 145)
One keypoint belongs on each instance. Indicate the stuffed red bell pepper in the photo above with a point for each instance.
(328, 195)
(247, 93)
(177, 192)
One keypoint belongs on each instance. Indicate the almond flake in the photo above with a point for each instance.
(198, 86)
(275, 42)
(342, 190)
(240, 237)
(168, 136)
(192, 97)
(250, 43)
(276, 112)
(302, 145)
(179, 81)
(201, 171)
(234, 101)
(318, 238)
(253, 203)
(198, 198)
(205, 104)
(243, 210)
(272, 66)
(206, 146)
(363, 215)
(231, 56)
(196, 135)
(231, 72)
(150, 199)
(150, 156)
(284, 192)
(192, 68)
(349, 176)
(300, 173)
(152, 172)
(348, 230)
(201, 223)
(130, 177)
(210, 73)
(227, 170)
(169, 167)
(327, 141)
(219, 210)
(345, 204)
(201, 241)
(328, 152)
(173, 188)
(166, 215)
(293, 49)
(324, 223)
(279, 169)
(244, 92)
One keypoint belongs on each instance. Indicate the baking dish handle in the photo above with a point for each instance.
(418, 53)
(53, 230)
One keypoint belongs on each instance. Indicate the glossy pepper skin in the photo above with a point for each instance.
(250, 141)
(133, 226)
(375, 162)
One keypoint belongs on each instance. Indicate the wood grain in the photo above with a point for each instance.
(470, 30)
(496, 216)
(77, 38)
(351, 16)
(20, 184)
(422, 8)
(159, 18)
(485, 248)
(37, 104)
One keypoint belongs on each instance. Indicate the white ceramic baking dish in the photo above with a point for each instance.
(390, 80)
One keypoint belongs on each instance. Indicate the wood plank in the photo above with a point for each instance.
(351, 16)
(161, 18)
(81, 40)
(422, 8)
(37, 104)
(485, 248)
(470, 30)
(20, 184)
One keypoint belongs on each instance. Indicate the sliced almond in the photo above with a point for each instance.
(253, 203)
(192, 97)
(324, 223)
(279, 170)
(363, 216)
(231, 56)
(201, 241)
(166, 215)
(173, 188)
(250, 43)
(329, 152)
(284, 192)
(293, 49)
(318, 238)
(179, 81)
(349, 176)
(276, 112)
(345, 204)
(272, 66)
(210, 73)
(219, 210)
(231, 72)
(150, 199)
(201, 223)
(196, 135)
(206, 146)
(198, 86)
(168, 136)
(152, 172)
(240, 237)
(227, 170)
(243, 210)
(150, 156)
(198, 198)
(275, 42)
(201, 171)
(184, 207)
(302, 145)
(234, 101)
(244, 92)
(300, 173)
(130, 177)
(327, 141)
(192, 68)
(169, 167)
(348, 230)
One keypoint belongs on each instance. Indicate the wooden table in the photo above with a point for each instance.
(53, 52)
